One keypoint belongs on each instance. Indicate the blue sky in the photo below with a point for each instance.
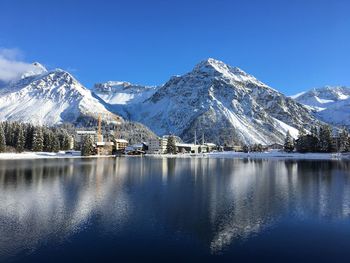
(292, 45)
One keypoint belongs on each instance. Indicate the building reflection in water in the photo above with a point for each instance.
(218, 201)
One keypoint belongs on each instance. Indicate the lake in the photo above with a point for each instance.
(144, 209)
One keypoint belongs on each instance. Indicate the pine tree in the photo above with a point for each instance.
(20, 139)
(9, 133)
(55, 144)
(344, 141)
(256, 147)
(314, 147)
(306, 142)
(65, 141)
(16, 128)
(38, 140)
(29, 131)
(171, 145)
(325, 142)
(288, 143)
(47, 140)
(2, 139)
(87, 147)
(300, 144)
(314, 131)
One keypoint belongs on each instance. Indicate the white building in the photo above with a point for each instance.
(120, 144)
(158, 146)
(208, 147)
(187, 148)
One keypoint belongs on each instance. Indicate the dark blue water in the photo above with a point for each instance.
(174, 210)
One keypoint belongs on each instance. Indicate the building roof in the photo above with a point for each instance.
(121, 140)
(104, 143)
(210, 144)
(86, 132)
(186, 145)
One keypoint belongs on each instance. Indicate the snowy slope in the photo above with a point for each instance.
(224, 103)
(118, 94)
(330, 104)
(49, 98)
(121, 92)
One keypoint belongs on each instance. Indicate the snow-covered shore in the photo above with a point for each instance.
(281, 155)
(44, 155)
(262, 155)
(228, 155)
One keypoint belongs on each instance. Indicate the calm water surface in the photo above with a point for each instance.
(180, 210)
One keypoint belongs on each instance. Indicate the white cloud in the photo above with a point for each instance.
(12, 65)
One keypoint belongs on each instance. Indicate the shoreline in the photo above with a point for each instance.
(215, 155)
(46, 155)
(263, 155)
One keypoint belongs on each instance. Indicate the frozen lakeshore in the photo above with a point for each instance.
(45, 155)
(262, 155)
(230, 155)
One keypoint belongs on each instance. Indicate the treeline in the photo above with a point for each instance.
(27, 137)
(257, 147)
(319, 139)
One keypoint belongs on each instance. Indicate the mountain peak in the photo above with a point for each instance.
(323, 95)
(211, 64)
(215, 68)
(329, 103)
(50, 98)
(212, 61)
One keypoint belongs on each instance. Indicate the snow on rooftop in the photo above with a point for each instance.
(186, 145)
(121, 140)
(86, 132)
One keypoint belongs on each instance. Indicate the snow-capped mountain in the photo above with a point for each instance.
(222, 102)
(49, 98)
(330, 104)
(122, 92)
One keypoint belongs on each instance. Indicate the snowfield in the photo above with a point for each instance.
(122, 92)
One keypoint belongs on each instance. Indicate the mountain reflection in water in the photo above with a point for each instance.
(215, 202)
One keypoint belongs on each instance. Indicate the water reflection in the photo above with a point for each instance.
(216, 201)
(44, 200)
(268, 190)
